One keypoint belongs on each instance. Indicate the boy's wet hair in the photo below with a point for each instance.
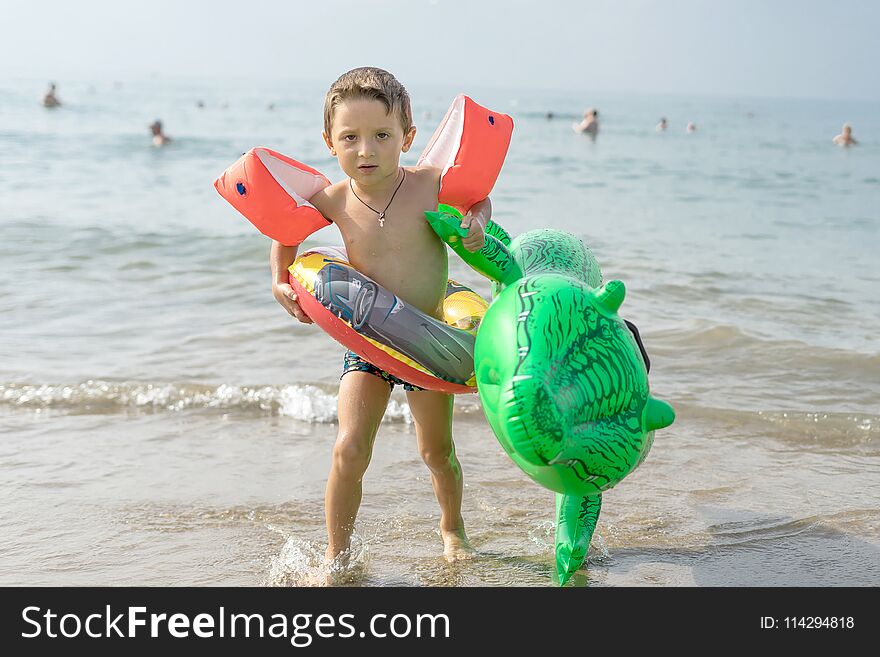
(372, 83)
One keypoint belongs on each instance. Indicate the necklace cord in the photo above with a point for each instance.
(381, 214)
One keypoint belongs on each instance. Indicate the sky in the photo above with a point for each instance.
(770, 48)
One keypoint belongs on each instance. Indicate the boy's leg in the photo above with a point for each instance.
(432, 414)
(362, 401)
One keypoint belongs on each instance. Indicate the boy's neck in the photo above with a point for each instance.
(379, 186)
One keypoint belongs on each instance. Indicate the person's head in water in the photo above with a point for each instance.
(590, 123)
(845, 137)
(159, 137)
(49, 98)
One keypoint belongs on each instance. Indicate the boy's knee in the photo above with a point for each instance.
(351, 454)
(438, 458)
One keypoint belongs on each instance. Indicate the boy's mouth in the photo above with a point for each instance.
(367, 167)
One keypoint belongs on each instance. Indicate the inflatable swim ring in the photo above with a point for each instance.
(272, 191)
(386, 331)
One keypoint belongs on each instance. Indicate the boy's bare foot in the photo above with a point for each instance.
(331, 577)
(456, 546)
(338, 560)
(316, 578)
(335, 567)
(328, 573)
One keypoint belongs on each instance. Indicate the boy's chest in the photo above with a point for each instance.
(403, 225)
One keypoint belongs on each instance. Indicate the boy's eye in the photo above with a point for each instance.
(349, 137)
(383, 135)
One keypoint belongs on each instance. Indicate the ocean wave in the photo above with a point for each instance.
(815, 431)
(786, 355)
(761, 529)
(308, 403)
(782, 528)
(159, 250)
(824, 431)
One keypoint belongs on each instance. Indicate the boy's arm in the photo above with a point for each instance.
(280, 258)
(475, 221)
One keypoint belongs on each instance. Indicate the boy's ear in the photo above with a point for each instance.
(328, 142)
(408, 139)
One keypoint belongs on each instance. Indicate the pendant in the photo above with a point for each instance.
(382, 220)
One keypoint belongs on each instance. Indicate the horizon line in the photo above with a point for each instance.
(111, 76)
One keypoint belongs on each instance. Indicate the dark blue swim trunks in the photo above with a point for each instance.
(354, 363)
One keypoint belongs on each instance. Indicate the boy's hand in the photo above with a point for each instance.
(285, 295)
(476, 237)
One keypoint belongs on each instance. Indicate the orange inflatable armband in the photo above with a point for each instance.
(469, 146)
(272, 191)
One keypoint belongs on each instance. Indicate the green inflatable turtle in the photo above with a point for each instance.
(563, 380)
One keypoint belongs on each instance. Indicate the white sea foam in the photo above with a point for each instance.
(308, 403)
(301, 563)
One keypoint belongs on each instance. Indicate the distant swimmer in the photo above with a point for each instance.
(549, 115)
(845, 138)
(660, 127)
(270, 106)
(691, 127)
(200, 104)
(50, 99)
(159, 138)
(590, 124)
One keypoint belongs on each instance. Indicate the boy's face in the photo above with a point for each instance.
(367, 140)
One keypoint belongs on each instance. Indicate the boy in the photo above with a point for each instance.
(379, 210)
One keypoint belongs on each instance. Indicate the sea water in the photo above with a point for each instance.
(163, 421)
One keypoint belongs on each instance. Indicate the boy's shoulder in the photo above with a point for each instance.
(427, 176)
(330, 200)
(335, 189)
